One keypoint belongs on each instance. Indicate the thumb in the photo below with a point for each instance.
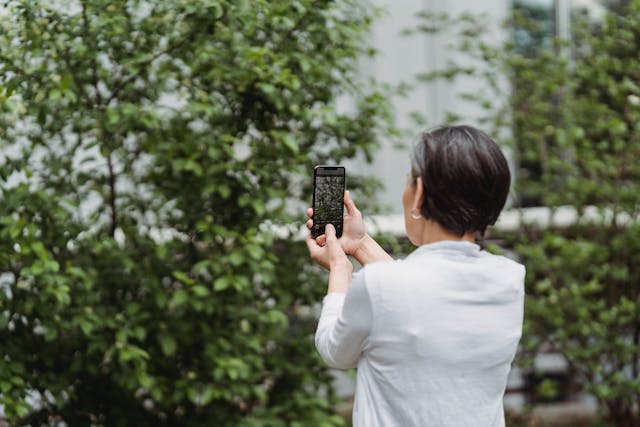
(334, 248)
(330, 232)
(349, 204)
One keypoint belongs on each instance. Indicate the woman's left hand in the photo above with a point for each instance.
(330, 255)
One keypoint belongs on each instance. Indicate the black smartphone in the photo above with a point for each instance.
(328, 199)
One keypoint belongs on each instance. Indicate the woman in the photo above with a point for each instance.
(433, 335)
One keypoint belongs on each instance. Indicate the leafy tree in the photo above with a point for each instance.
(572, 113)
(146, 146)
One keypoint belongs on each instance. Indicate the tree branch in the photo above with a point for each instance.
(94, 63)
(126, 80)
(76, 81)
(112, 196)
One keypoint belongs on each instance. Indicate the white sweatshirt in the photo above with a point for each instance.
(433, 336)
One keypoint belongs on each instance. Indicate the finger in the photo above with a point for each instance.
(310, 212)
(317, 253)
(349, 204)
(330, 232)
(310, 224)
(333, 246)
(321, 240)
(313, 246)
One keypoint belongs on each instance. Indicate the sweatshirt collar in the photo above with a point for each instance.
(455, 246)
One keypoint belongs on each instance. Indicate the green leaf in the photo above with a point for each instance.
(168, 344)
(277, 317)
(236, 258)
(179, 298)
(291, 143)
(86, 326)
(182, 276)
(218, 11)
(221, 283)
(254, 251)
(192, 166)
(201, 291)
(39, 250)
(133, 353)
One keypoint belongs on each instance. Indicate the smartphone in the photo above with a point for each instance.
(328, 199)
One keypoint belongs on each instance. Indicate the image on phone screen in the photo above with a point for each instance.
(328, 198)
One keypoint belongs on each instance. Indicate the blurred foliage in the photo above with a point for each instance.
(570, 110)
(146, 148)
(533, 420)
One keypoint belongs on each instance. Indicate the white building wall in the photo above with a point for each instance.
(400, 59)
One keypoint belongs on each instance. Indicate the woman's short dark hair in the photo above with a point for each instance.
(465, 175)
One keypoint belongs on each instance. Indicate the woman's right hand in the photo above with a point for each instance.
(353, 227)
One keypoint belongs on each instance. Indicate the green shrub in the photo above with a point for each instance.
(145, 147)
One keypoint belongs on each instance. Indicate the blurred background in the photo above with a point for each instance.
(156, 162)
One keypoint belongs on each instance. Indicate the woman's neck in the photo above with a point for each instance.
(433, 232)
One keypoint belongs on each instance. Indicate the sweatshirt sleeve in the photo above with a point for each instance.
(344, 325)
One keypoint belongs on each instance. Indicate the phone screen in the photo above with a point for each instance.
(328, 198)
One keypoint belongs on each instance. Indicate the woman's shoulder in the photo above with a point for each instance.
(504, 261)
(421, 265)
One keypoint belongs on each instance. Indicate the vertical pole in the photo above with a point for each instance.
(563, 27)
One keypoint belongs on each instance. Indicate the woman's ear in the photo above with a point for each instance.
(418, 196)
